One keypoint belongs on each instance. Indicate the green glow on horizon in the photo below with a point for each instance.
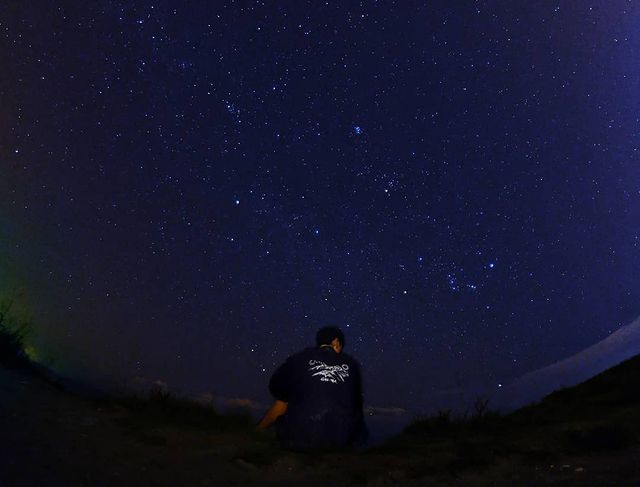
(32, 354)
(32, 297)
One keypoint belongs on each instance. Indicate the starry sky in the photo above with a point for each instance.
(188, 190)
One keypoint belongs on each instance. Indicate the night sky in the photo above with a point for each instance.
(188, 190)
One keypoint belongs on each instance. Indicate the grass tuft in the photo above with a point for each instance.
(599, 438)
(12, 340)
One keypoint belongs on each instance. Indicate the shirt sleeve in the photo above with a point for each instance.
(281, 380)
(358, 393)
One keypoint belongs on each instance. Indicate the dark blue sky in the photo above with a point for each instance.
(189, 189)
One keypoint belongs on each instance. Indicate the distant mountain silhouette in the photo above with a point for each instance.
(617, 347)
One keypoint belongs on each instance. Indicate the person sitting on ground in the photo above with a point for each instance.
(318, 397)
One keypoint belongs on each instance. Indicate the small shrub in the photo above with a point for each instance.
(481, 407)
(442, 425)
(12, 336)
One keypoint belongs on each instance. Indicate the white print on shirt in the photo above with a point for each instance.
(328, 373)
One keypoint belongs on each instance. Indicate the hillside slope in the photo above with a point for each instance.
(621, 345)
(588, 434)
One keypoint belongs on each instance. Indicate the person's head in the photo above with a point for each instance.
(332, 336)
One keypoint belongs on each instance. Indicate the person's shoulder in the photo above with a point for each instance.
(302, 354)
(348, 358)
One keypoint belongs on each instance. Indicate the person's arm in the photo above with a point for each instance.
(277, 409)
(279, 387)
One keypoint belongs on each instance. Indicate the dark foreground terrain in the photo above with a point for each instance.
(587, 435)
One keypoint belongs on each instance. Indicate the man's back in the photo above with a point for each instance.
(323, 390)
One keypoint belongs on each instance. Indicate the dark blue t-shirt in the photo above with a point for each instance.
(323, 390)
